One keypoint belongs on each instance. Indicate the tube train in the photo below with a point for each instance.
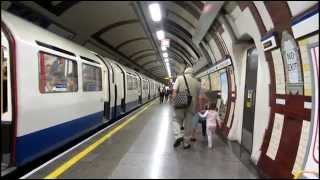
(54, 90)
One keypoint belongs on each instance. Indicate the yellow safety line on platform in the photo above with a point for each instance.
(57, 172)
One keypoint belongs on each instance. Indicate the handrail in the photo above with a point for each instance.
(299, 173)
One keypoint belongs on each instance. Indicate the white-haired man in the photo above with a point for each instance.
(183, 117)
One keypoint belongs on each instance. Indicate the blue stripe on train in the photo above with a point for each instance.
(129, 106)
(132, 105)
(36, 144)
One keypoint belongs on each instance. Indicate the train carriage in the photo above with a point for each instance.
(54, 90)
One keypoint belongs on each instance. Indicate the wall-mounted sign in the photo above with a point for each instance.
(220, 65)
(290, 55)
(269, 42)
(305, 24)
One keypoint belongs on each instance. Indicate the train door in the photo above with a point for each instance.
(121, 89)
(7, 125)
(249, 99)
(106, 89)
(149, 89)
(113, 93)
(116, 79)
(140, 88)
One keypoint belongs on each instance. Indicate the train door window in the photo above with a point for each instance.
(129, 82)
(136, 84)
(6, 105)
(4, 83)
(92, 78)
(145, 85)
(57, 74)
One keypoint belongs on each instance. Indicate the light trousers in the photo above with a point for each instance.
(210, 132)
(182, 117)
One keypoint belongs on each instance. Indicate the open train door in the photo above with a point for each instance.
(7, 106)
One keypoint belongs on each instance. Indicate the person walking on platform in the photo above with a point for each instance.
(170, 93)
(162, 94)
(213, 121)
(183, 116)
(202, 101)
(166, 94)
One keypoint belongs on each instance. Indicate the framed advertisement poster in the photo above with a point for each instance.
(215, 81)
(291, 57)
(205, 83)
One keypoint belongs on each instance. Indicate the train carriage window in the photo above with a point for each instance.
(57, 74)
(132, 82)
(92, 78)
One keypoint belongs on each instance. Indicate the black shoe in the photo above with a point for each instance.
(182, 128)
(177, 142)
(187, 146)
(193, 139)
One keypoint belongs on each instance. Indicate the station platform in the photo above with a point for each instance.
(141, 146)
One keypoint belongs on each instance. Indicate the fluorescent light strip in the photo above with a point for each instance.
(155, 12)
(165, 55)
(165, 43)
(160, 34)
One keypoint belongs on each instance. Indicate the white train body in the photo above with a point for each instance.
(93, 89)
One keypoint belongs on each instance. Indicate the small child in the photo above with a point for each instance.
(213, 118)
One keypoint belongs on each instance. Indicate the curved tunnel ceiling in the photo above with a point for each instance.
(117, 29)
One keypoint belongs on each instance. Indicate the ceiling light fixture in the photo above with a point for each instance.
(165, 43)
(165, 55)
(155, 12)
(160, 34)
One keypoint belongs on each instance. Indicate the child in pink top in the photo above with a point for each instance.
(213, 118)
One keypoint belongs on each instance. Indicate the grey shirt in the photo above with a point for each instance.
(194, 87)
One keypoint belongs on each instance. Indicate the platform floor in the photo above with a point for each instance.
(143, 149)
